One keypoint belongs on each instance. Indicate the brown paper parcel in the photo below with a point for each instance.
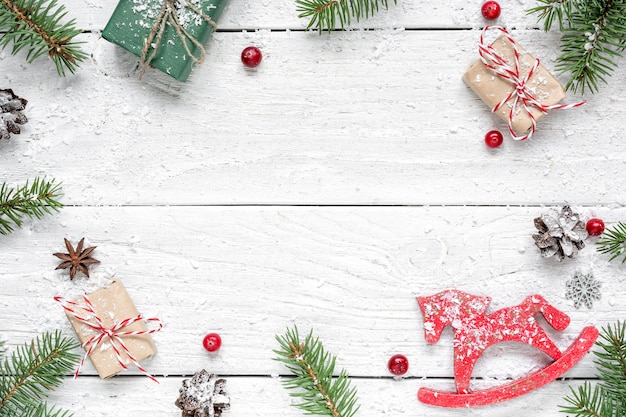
(492, 88)
(112, 305)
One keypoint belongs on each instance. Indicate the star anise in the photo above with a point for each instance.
(77, 259)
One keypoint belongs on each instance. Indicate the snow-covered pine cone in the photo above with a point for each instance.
(204, 395)
(560, 234)
(11, 115)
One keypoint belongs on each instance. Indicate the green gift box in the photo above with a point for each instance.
(133, 21)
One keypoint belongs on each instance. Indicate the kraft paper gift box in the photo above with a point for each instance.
(132, 21)
(492, 88)
(113, 305)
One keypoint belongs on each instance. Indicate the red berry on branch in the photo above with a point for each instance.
(212, 342)
(251, 56)
(493, 139)
(595, 227)
(490, 10)
(398, 364)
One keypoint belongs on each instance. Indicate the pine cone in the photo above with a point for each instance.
(560, 234)
(11, 114)
(204, 395)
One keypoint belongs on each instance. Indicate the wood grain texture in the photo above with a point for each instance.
(360, 118)
(265, 397)
(328, 188)
(240, 15)
(352, 274)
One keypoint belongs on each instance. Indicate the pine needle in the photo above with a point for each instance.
(550, 11)
(594, 37)
(31, 200)
(613, 242)
(608, 397)
(319, 393)
(36, 26)
(33, 370)
(324, 14)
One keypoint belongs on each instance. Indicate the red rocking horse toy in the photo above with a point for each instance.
(475, 331)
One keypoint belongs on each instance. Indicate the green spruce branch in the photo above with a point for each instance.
(313, 384)
(613, 242)
(31, 200)
(608, 397)
(36, 26)
(31, 372)
(593, 37)
(324, 14)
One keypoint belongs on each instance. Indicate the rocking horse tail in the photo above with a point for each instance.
(556, 318)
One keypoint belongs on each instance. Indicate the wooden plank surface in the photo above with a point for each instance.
(365, 118)
(266, 397)
(352, 274)
(328, 188)
(282, 14)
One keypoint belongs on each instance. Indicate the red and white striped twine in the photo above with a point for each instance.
(113, 334)
(521, 93)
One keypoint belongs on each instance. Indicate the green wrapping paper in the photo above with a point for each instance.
(133, 20)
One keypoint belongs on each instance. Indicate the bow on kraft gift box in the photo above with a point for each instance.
(514, 84)
(165, 34)
(111, 330)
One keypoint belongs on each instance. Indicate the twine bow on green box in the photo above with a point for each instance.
(165, 34)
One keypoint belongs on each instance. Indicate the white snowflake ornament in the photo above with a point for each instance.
(583, 289)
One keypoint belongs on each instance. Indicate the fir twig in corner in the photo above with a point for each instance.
(594, 37)
(325, 13)
(613, 242)
(35, 26)
(608, 397)
(31, 200)
(313, 367)
(32, 371)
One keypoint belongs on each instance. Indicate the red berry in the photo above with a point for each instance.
(398, 364)
(490, 10)
(595, 227)
(212, 342)
(251, 56)
(493, 139)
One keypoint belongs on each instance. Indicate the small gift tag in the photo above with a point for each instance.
(111, 330)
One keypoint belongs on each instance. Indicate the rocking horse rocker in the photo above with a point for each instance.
(474, 331)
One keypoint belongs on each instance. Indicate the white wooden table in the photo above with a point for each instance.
(330, 187)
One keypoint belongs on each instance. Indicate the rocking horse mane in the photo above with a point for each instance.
(446, 308)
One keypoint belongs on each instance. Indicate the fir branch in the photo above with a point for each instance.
(592, 42)
(324, 14)
(33, 370)
(551, 10)
(594, 36)
(42, 410)
(35, 25)
(34, 200)
(608, 397)
(588, 401)
(313, 368)
(613, 242)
